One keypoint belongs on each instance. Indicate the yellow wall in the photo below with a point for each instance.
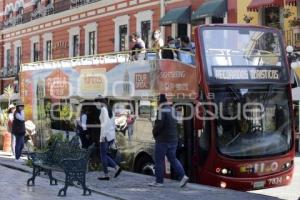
(242, 10)
(293, 9)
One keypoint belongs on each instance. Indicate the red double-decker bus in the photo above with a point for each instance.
(244, 123)
(234, 106)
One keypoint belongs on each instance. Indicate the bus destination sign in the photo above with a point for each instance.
(235, 74)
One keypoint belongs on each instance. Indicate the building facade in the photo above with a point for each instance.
(280, 14)
(41, 30)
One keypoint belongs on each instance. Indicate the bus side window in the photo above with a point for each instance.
(186, 57)
(144, 109)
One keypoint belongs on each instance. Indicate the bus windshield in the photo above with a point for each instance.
(252, 122)
(241, 47)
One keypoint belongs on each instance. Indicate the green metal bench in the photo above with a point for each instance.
(65, 157)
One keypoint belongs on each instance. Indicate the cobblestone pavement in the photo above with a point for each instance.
(13, 187)
(129, 186)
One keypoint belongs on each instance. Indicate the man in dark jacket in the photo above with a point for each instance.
(18, 129)
(166, 141)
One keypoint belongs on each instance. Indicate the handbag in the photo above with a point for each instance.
(113, 149)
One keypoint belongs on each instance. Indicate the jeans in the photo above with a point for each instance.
(13, 144)
(19, 146)
(169, 150)
(106, 160)
(85, 142)
(130, 131)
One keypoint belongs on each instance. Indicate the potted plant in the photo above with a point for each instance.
(295, 24)
(248, 18)
(287, 13)
(8, 93)
(3, 126)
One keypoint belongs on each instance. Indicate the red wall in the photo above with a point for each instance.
(232, 11)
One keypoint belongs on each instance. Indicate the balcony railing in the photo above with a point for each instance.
(19, 19)
(77, 3)
(61, 6)
(9, 71)
(9, 22)
(42, 11)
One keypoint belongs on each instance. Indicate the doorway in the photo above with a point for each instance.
(185, 128)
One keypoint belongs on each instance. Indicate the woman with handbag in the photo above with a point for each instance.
(11, 110)
(107, 138)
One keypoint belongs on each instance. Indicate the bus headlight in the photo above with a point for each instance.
(287, 165)
(224, 171)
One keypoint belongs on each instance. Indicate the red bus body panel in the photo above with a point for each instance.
(241, 179)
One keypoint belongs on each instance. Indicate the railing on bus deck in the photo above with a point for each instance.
(117, 57)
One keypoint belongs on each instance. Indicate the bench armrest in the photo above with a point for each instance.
(79, 164)
(42, 156)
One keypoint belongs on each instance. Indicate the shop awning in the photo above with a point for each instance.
(257, 4)
(210, 8)
(180, 15)
(291, 2)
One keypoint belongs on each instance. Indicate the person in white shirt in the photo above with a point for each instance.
(107, 138)
(10, 111)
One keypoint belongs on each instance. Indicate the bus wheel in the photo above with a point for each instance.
(145, 165)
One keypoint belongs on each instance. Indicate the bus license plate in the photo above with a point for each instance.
(259, 184)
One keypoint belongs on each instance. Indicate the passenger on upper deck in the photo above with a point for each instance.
(139, 48)
(169, 53)
(157, 42)
(186, 44)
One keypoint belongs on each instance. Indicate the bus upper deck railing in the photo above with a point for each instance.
(108, 58)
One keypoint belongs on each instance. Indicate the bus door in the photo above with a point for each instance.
(202, 136)
(185, 124)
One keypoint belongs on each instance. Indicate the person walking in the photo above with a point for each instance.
(82, 128)
(18, 129)
(130, 122)
(107, 138)
(166, 141)
(10, 111)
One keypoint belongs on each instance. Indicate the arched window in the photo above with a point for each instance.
(9, 9)
(19, 7)
(36, 4)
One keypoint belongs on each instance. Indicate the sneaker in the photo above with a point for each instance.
(184, 181)
(118, 171)
(155, 184)
(19, 161)
(104, 178)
